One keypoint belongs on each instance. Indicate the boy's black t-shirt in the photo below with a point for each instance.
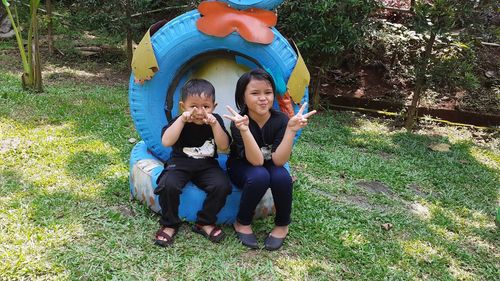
(195, 141)
(268, 138)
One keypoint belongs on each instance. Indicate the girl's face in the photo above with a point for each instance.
(259, 97)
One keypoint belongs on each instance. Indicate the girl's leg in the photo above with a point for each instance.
(254, 182)
(281, 188)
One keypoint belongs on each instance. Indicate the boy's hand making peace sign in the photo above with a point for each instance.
(208, 118)
(241, 122)
(299, 121)
(188, 116)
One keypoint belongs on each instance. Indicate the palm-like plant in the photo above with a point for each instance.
(32, 75)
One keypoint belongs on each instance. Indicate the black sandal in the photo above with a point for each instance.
(210, 236)
(169, 239)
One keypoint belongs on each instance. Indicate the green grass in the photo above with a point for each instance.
(65, 212)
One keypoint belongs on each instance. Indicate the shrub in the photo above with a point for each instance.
(109, 16)
(453, 67)
(325, 30)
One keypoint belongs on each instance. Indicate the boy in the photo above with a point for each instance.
(194, 136)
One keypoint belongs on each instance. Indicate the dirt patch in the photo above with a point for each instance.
(359, 201)
(419, 210)
(417, 190)
(375, 187)
(362, 203)
(378, 83)
(362, 82)
(125, 211)
(57, 69)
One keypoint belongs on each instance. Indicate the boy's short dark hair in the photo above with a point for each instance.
(197, 87)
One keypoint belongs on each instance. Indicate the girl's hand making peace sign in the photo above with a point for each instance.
(241, 122)
(299, 121)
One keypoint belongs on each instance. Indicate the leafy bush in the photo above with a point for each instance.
(398, 48)
(453, 67)
(109, 16)
(325, 30)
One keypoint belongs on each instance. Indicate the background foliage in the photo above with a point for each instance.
(326, 30)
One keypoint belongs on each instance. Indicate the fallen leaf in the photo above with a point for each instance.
(441, 147)
(386, 226)
(489, 74)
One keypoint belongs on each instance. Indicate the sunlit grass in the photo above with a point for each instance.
(65, 212)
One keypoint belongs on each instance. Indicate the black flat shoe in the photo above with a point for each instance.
(249, 240)
(272, 243)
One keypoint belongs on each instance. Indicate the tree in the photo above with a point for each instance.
(32, 76)
(325, 31)
(50, 28)
(433, 19)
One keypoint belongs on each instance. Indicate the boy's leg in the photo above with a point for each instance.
(281, 188)
(214, 181)
(254, 182)
(170, 187)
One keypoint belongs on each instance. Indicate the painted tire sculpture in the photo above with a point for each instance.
(245, 4)
(183, 52)
(145, 169)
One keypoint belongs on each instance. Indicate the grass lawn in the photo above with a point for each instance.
(65, 212)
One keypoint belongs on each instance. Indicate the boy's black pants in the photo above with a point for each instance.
(204, 173)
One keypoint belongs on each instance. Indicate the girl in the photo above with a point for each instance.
(262, 143)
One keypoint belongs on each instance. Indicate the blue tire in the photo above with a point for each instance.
(177, 46)
(145, 169)
(245, 4)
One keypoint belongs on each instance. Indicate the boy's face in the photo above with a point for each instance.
(199, 102)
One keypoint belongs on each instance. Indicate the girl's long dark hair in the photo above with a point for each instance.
(241, 86)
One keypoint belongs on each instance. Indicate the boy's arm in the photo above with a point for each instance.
(172, 133)
(221, 136)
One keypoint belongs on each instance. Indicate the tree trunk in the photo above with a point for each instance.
(37, 66)
(316, 97)
(50, 39)
(420, 83)
(30, 46)
(129, 34)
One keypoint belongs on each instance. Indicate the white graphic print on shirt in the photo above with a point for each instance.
(204, 151)
(266, 152)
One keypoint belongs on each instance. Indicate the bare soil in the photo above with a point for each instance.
(57, 69)
(373, 82)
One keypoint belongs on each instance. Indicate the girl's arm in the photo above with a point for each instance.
(252, 151)
(282, 153)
